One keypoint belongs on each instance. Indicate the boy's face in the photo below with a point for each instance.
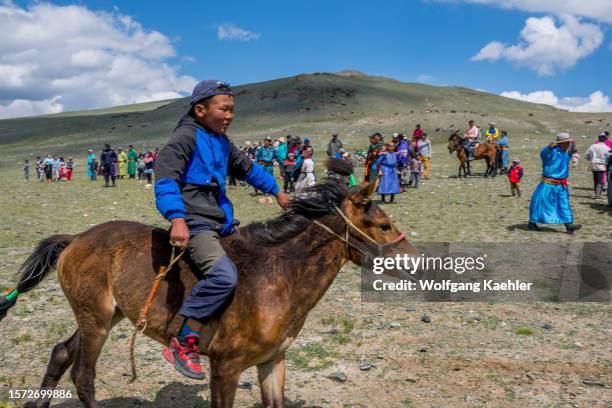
(217, 114)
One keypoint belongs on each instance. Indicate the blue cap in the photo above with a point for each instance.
(306, 140)
(208, 88)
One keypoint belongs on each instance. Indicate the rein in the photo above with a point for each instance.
(141, 324)
(349, 224)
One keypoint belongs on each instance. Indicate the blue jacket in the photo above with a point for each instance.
(265, 154)
(190, 177)
(280, 154)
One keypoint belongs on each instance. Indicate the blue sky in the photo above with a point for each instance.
(137, 51)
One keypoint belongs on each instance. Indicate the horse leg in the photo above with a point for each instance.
(272, 382)
(93, 331)
(223, 384)
(62, 357)
(494, 167)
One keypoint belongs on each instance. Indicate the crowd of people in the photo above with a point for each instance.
(292, 155)
(113, 165)
(400, 163)
(50, 169)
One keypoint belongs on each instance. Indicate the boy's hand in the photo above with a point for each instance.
(179, 233)
(283, 200)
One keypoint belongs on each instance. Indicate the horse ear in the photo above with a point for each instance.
(370, 189)
(365, 192)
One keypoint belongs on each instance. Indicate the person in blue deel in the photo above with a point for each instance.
(190, 192)
(550, 201)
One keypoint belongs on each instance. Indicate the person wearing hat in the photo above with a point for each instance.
(503, 153)
(515, 174)
(607, 140)
(370, 173)
(597, 155)
(91, 156)
(492, 133)
(334, 146)
(280, 155)
(550, 202)
(190, 192)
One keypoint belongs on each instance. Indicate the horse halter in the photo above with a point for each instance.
(349, 224)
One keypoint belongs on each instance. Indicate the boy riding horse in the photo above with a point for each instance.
(190, 193)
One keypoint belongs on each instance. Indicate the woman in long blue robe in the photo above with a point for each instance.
(387, 165)
(90, 159)
(550, 201)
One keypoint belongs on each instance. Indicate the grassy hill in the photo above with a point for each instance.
(351, 103)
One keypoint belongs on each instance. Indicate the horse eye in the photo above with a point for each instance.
(385, 227)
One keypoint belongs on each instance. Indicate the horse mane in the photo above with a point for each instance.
(453, 135)
(313, 203)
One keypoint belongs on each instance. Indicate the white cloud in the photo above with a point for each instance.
(598, 10)
(545, 47)
(21, 107)
(56, 58)
(596, 102)
(425, 78)
(231, 32)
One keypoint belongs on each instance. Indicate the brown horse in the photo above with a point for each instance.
(285, 266)
(486, 151)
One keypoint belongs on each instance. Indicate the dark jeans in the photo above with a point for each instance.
(289, 184)
(211, 295)
(470, 147)
(598, 182)
(415, 179)
(109, 173)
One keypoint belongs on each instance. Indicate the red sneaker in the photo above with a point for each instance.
(183, 354)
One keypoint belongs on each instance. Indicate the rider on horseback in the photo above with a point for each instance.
(190, 192)
(492, 133)
(471, 138)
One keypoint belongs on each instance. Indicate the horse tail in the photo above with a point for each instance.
(35, 268)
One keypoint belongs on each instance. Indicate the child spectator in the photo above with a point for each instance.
(69, 169)
(140, 167)
(416, 168)
(62, 172)
(289, 168)
(149, 162)
(94, 169)
(40, 168)
(515, 174)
